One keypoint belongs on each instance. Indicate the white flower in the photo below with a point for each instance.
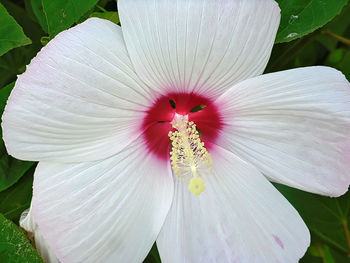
(95, 107)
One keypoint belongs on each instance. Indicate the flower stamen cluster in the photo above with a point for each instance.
(188, 154)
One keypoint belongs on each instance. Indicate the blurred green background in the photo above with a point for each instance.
(312, 32)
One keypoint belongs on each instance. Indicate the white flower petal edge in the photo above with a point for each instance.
(293, 126)
(240, 217)
(27, 222)
(79, 99)
(205, 46)
(105, 211)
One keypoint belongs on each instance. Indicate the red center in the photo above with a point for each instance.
(157, 122)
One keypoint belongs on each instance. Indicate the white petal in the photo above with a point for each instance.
(79, 99)
(105, 211)
(293, 126)
(205, 46)
(27, 222)
(240, 217)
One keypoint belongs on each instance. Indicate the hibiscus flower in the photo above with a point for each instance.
(165, 130)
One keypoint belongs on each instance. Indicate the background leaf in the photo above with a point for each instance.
(62, 14)
(13, 62)
(17, 198)
(301, 17)
(38, 11)
(14, 246)
(327, 218)
(153, 255)
(111, 16)
(324, 254)
(11, 33)
(315, 48)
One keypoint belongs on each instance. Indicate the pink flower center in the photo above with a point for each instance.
(199, 109)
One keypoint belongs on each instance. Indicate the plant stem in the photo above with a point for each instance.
(347, 234)
(337, 37)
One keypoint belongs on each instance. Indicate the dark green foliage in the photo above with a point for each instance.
(111, 16)
(327, 219)
(16, 199)
(60, 15)
(301, 17)
(11, 33)
(14, 246)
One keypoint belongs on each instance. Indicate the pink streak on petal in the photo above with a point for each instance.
(278, 241)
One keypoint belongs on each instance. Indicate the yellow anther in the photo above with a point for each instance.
(189, 157)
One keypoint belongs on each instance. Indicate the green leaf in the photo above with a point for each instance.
(13, 62)
(153, 255)
(14, 246)
(311, 259)
(29, 10)
(64, 13)
(327, 218)
(30, 27)
(38, 11)
(16, 199)
(322, 253)
(339, 258)
(111, 16)
(11, 169)
(326, 254)
(301, 17)
(337, 26)
(4, 94)
(11, 33)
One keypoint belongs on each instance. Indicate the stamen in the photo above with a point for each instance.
(189, 158)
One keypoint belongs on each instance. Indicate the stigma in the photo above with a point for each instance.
(189, 158)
